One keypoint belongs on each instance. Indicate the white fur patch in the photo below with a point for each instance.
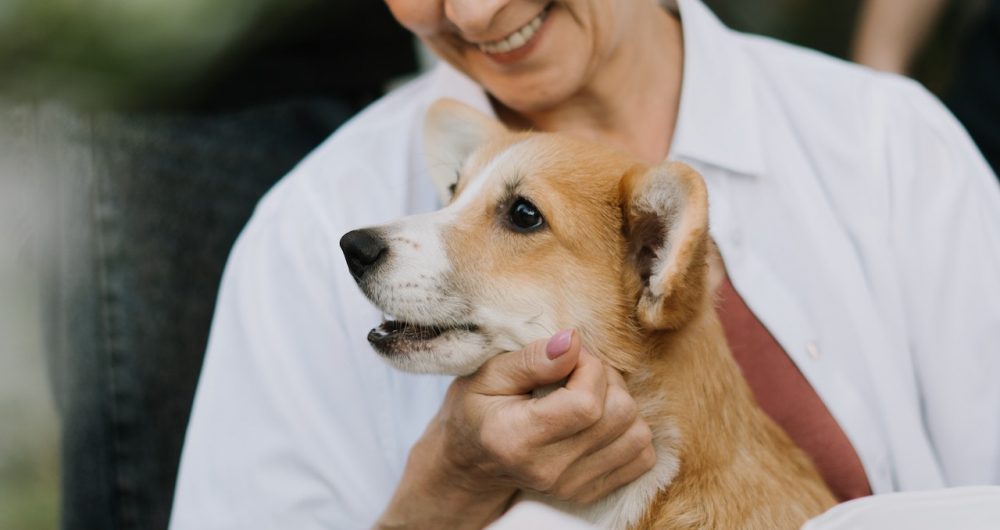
(514, 156)
(411, 284)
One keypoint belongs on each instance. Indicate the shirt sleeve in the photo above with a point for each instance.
(945, 238)
(284, 431)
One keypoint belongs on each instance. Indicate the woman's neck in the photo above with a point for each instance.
(632, 101)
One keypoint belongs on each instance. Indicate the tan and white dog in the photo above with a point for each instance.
(544, 232)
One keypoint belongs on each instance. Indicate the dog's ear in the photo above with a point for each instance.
(665, 210)
(452, 131)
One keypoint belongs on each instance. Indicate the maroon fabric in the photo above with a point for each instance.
(788, 398)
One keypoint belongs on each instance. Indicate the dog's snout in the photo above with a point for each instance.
(363, 249)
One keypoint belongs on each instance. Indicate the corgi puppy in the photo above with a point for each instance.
(543, 232)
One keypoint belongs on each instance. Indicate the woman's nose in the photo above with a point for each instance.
(474, 18)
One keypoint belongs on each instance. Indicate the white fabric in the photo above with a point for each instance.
(854, 214)
(535, 516)
(965, 508)
(968, 508)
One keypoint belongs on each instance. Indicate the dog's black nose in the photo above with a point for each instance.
(363, 250)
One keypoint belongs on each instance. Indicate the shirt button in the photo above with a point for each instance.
(813, 350)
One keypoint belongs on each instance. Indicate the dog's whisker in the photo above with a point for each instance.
(534, 322)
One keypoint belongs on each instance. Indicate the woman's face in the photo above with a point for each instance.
(531, 55)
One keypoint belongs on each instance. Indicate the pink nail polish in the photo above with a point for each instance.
(559, 344)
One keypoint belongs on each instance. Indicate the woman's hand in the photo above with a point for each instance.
(491, 438)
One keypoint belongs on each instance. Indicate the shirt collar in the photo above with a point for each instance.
(717, 120)
(449, 82)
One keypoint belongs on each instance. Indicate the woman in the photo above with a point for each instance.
(854, 218)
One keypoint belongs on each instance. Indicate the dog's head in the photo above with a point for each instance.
(541, 232)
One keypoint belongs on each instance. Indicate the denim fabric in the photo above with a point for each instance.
(148, 207)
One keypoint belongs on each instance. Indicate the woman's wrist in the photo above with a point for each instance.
(436, 492)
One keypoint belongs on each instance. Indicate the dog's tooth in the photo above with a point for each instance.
(378, 334)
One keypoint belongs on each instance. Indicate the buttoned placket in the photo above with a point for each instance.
(775, 305)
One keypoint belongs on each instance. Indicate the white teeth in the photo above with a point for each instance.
(516, 39)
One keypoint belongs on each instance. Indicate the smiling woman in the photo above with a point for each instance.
(582, 54)
(852, 263)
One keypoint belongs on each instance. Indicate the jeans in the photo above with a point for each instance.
(147, 207)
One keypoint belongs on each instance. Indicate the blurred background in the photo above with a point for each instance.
(135, 138)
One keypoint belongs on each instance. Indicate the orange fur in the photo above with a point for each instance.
(738, 469)
(623, 256)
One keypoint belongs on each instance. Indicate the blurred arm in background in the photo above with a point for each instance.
(889, 33)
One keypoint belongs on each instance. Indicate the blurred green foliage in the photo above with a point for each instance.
(123, 50)
(29, 443)
(29, 482)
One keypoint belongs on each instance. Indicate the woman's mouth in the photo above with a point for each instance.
(517, 40)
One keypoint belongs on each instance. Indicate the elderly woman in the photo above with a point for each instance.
(858, 226)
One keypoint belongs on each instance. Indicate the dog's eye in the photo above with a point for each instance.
(524, 216)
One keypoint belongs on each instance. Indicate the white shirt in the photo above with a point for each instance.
(855, 217)
(965, 508)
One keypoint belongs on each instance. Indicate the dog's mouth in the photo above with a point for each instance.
(392, 333)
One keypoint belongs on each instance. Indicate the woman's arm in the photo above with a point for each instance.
(889, 33)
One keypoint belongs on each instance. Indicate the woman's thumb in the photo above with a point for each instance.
(543, 362)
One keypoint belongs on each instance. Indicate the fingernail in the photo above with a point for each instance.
(559, 344)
